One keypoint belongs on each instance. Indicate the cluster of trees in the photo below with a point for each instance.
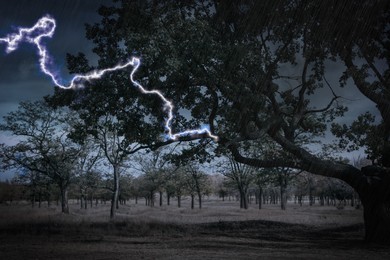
(52, 160)
(186, 182)
(250, 69)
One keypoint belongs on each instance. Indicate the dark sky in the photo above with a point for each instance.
(21, 79)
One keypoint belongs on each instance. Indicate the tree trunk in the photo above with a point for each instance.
(33, 199)
(243, 200)
(178, 201)
(260, 197)
(375, 199)
(283, 194)
(64, 199)
(200, 200)
(168, 199)
(115, 194)
(161, 198)
(311, 202)
(152, 198)
(39, 199)
(192, 201)
(377, 221)
(322, 200)
(48, 199)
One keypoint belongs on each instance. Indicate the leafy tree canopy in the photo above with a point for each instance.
(225, 63)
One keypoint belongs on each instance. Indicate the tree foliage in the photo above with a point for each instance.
(252, 71)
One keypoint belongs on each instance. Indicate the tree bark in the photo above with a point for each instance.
(375, 199)
(115, 194)
(178, 201)
(200, 200)
(260, 197)
(64, 199)
(283, 192)
(243, 200)
(152, 198)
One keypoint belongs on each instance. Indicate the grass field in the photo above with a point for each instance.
(220, 230)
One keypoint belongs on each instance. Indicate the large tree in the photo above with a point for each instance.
(251, 70)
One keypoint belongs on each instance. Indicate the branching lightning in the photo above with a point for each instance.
(45, 27)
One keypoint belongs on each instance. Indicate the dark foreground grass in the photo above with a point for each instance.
(126, 239)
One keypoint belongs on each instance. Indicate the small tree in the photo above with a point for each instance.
(39, 186)
(241, 176)
(197, 183)
(155, 175)
(44, 146)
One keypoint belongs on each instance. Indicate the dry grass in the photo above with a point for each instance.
(220, 230)
(213, 210)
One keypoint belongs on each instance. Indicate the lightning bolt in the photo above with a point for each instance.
(45, 27)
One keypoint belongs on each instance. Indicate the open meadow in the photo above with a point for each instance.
(220, 230)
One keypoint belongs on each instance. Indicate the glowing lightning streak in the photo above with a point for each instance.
(45, 27)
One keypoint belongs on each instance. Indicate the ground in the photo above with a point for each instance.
(220, 230)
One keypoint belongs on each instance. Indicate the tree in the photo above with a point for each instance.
(179, 182)
(156, 174)
(10, 191)
(39, 186)
(88, 183)
(197, 183)
(87, 177)
(284, 176)
(227, 63)
(114, 146)
(241, 176)
(44, 147)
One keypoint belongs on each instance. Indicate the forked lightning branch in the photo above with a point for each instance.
(45, 27)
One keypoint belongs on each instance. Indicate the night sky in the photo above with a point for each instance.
(21, 79)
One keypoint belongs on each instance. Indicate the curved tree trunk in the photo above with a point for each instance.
(372, 183)
(376, 203)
